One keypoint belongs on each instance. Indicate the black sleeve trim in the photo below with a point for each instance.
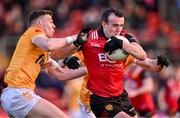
(130, 38)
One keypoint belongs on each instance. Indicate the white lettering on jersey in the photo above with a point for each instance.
(102, 57)
(112, 64)
(95, 45)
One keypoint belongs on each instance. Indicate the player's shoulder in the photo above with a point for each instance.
(128, 36)
(35, 30)
(32, 32)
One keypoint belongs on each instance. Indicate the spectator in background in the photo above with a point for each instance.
(145, 24)
(14, 20)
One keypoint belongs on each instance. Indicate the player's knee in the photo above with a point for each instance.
(124, 115)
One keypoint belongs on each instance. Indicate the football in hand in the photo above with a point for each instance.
(118, 54)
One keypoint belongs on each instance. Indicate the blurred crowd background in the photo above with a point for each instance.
(154, 23)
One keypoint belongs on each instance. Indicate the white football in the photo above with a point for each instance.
(118, 54)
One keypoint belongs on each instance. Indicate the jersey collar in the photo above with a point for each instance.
(101, 33)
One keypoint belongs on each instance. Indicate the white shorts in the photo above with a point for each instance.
(85, 112)
(18, 102)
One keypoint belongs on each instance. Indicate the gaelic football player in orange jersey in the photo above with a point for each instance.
(31, 54)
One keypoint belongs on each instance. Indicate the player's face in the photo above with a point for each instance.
(113, 26)
(48, 25)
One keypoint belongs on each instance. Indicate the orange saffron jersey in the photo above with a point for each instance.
(26, 62)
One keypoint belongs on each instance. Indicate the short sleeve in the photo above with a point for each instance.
(130, 38)
(33, 32)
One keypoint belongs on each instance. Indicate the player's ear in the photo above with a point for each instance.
(40, 23)
(103, 23)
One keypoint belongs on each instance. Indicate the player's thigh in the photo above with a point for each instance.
(122, 114)
(85, 111)
(45, 109)
(17, 102)
(126, 105)
(104, 107)
(110, 107)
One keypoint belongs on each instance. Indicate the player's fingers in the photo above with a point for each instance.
(60, 69)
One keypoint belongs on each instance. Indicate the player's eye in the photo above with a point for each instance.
(117, 25)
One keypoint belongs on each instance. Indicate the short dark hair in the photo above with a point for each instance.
(37, 13)
(108, 12)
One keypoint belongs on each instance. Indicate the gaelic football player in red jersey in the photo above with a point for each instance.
(105, 77)
(172, 93)
(105, 81)
(139, 85)
(108, 97)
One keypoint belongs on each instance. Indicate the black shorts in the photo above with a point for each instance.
(109, 107)
(146, 113)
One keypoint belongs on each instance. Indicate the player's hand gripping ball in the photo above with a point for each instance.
(118, 54)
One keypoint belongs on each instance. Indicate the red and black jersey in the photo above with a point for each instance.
(105, 77)
(134, 79)
(172, 93)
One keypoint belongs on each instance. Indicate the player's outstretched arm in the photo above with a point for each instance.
(63, 52)
(72, 72)
(51, 44)
(68, 74)
(80, 39)
(154, 64)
